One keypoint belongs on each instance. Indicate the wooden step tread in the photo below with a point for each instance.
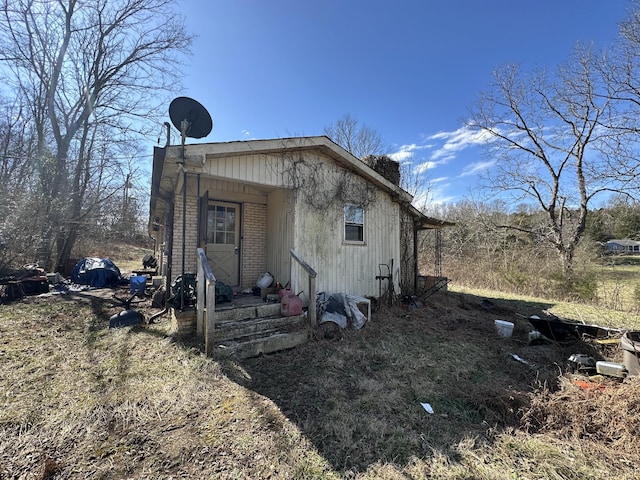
(254, 345)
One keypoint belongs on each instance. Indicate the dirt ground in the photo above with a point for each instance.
(85, 401)
(446, 353)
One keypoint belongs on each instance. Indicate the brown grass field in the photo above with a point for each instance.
(81, 401)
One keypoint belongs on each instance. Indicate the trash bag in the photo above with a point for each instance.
(183, 289)
(224, 293)
(342, 309)
(96, 272)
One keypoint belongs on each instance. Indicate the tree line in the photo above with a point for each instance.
(479, 252)
(82, 84)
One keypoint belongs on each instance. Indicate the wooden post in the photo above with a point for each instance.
(209, 343)
(200, 296)
(313, 321)
(206, 303)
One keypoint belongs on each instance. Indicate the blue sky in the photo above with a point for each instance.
(408, 69)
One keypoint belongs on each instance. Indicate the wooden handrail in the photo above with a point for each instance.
(206, 302)
(303, 264)
(312, 286)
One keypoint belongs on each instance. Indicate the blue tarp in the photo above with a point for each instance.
(96, 272)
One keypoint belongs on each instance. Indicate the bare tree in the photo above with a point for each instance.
(358, 139)
(555, 137)
(92, 72)
(17, 145)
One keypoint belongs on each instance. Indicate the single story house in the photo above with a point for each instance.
(623, 246)
(249, 204)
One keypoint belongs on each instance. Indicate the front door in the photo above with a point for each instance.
(223, 241)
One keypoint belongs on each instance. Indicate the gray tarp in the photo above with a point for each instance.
(342, 309)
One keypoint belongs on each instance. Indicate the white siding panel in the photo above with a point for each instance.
(258, 169)
(348, 268)
(280, 234)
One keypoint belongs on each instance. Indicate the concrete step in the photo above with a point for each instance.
(230, 329)
(254, 345)
(249, 312)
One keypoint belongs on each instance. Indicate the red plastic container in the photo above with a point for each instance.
(285, 292)
(290, 305)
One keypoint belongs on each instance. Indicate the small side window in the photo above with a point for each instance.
(353, 224)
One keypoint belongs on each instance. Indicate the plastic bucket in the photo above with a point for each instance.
(137, 285)
(630, 345)
(265, 281)
(504, 328)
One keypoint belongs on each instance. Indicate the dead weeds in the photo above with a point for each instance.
(82, 401)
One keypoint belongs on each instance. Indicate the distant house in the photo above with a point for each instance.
(623, 246)
(249, 203)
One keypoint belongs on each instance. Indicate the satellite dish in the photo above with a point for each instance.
(190, 117)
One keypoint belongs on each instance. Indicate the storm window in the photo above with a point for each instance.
(353, 223)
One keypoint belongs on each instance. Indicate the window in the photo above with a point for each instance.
(221, 225)
(353, 224)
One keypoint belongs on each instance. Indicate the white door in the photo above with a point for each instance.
(223, 241)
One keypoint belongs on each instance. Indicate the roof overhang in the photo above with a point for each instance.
(169, 161)
(198, 153)
(424, 222)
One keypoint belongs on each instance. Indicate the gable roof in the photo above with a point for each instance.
(294, 144)
(166, 171)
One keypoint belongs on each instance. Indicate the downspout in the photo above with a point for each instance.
(168, 231)
(415, 257)
(184, 230)
(198, 219)
(154, 245)
(169, 249)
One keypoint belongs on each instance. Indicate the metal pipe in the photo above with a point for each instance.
(184, 126)
(184, 233)
(416, 264)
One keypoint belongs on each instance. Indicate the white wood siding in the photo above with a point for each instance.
(280, 234)
(342, 267)
(257, 169)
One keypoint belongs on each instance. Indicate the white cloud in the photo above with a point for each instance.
(405, 152)
(439, 179)
(434, 196)
(424, 166)
(458, 140)
(244, 132)
(476, 167)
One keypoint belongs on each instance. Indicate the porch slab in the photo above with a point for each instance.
(262, 345)
(246, 327)
(248, 312)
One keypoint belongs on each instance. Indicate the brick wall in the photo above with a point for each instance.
(254, 243)
(190, 237)
(254, 238)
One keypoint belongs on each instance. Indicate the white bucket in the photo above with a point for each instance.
(265, 281)
(504, 328)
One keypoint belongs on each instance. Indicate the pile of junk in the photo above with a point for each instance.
(340, 309)
(30, 279)
(561, 330)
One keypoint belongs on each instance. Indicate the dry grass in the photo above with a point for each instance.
(585, 313)
(81, 401)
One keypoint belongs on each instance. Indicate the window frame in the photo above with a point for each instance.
(347, 223)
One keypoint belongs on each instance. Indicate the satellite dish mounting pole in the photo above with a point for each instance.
(193, 120)
(184, 128)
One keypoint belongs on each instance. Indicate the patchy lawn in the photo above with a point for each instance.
(78, 400)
